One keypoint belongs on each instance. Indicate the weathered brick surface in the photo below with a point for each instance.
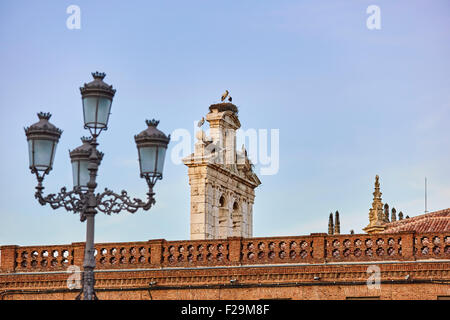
(305, 267)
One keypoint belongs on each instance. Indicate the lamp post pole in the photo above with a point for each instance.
(89, 216)
(43, 138)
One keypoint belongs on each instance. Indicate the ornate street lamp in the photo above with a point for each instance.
(42, 139)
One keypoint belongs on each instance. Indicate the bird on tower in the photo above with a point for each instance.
(225, 95)
(201, 122)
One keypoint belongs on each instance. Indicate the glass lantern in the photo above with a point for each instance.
(152, 145)
(97, 97)
(80, 163)
(42, 140)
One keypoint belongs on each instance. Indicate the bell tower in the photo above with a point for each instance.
(222, 180)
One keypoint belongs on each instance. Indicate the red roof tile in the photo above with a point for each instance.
(437, 221)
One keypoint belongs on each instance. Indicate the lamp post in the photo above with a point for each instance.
(42, 140)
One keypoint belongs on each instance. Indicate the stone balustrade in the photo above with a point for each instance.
(278, 250)
(159, 253)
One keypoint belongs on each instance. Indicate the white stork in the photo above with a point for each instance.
(225, 95)
(201, 122)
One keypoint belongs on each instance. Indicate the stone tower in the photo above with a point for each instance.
(222, 180)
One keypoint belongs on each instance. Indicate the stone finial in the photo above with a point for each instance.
(330, 224)
(393, 215)
(400, 216)
(337, 224)
(386, 212)
(377, 218)
(376, 212)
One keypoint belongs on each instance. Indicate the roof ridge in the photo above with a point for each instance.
(432, 214)
(427, 222)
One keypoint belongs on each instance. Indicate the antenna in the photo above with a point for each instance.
(426, 211)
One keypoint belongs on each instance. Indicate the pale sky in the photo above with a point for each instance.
(349, 103)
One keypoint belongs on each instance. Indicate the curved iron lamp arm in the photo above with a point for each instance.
(72, 201)
(110, 202)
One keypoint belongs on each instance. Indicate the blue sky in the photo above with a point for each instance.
(349, 102)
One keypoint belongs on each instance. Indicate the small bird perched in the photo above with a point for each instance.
(225, 95)
(244, 151)
(201, 122)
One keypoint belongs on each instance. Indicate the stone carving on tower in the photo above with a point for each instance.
(222, 180)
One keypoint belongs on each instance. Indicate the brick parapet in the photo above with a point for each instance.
(158, 253)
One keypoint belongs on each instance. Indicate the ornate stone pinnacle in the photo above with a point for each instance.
(386, 212)
(376, 215)
(377, 194)
(337, 223)
(377, 205)
(330, 224)
(393, 215)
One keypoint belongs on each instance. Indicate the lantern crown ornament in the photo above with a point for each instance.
(84, 151)
(152, 134)
(42, 138)
(43, 126)
(97, 86)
